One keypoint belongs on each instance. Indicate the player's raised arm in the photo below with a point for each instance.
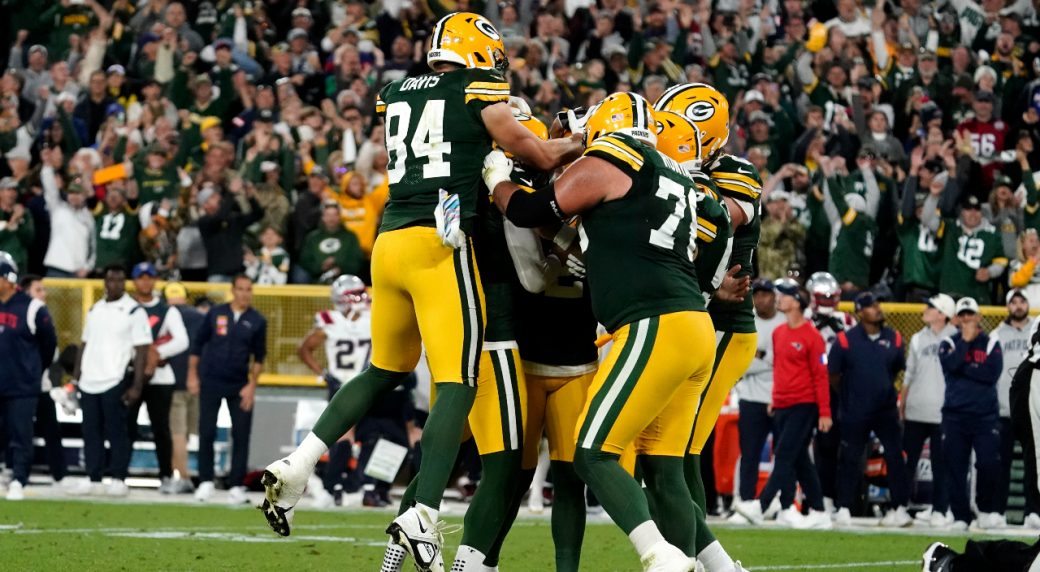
(513, 137)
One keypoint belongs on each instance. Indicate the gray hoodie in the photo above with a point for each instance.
(924, 379)
(1014, 343)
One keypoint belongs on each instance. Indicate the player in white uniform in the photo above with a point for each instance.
(825, 293)
(347, 335)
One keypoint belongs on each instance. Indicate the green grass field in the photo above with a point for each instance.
(77, 536)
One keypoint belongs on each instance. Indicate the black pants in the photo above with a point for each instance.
(825, 453)
(961, 435)
(854, 436)
(241, 427)
(999, 501)
(1005, 555)
(48, 428)
(791, 463)
(18, 425)
(1023, 426)
(158, 399)
(915, 434)
(104, 418)
(369, 431)
(754, 425)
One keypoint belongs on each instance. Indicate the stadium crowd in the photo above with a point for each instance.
(212, 139)
(216, 137)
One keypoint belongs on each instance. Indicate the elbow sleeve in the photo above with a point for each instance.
(532, 210)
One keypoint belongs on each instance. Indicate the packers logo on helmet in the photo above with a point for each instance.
(679, 139)
(469, 40)
(622, 112)
(706, 106)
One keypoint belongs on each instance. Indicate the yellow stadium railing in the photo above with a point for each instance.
(289, 311)
(290, 315)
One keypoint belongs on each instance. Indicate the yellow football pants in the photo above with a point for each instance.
(553, 407)
(646, 391)
(733, 355)
(426, 293)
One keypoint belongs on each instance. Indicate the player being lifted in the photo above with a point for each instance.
(425, 284)
(346, 334)
(680, 139)
(644, 291)
(739, 185)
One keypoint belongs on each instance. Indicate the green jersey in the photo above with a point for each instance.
(963, 254)
(850, 258)
(738, 179)
(1029, 197)
(921, 255)
(714, 236)
(17, 239)
(639, 249)
(116, 234)
(156, 184)
(429, 153)
(340, 245)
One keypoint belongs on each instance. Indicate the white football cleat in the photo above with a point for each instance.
(320, 498)
(284, 484)
(664, 557)
(421, 537)
(897, 518)
(1032, 521)
(751, 510)
(237, 495)
(940, 519)
(15, 492)
(205, 491)
(773, 509)
(843, 517)
(816, 520)
(791, 517)
(958, 526)
(117, 488)
(737, 518)
(924, 517)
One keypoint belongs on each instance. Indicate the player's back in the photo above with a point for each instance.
(638, 249)
(436, 139)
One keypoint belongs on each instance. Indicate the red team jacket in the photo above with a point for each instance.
(800, 368)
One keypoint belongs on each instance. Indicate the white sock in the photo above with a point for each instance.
(393, 558)
(714, 557)
(468, 559)
(644, 536)
(431, 513)
(310, 450)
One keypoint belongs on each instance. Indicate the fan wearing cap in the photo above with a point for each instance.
(156, 175)
(756, 388)
(972, 252)
(853, 219)
(972, 362)
(987, 134)
(920, 253)
(864, 363)
(27, 345)
(116, 226)
(1003, 213)
(1014, 337)
(921, 402)
(170, 339)
(801, 405)
(16, 224)
(72, 247)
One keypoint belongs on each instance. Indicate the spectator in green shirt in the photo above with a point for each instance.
(853, 225)
(117, 228)
(331, 250)
(16, 225)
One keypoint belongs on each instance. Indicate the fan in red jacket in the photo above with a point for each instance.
(801, 404)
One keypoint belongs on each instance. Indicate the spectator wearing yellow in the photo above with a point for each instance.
(1025, 275)
(360, 211)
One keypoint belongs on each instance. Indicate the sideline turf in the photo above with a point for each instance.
(74, 536)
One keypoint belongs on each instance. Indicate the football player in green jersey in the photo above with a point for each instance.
(637, 231)
(739, 185)
(426, 288)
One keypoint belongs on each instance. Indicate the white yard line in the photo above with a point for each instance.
(842, 566)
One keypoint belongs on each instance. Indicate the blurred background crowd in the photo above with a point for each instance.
(215, 137)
